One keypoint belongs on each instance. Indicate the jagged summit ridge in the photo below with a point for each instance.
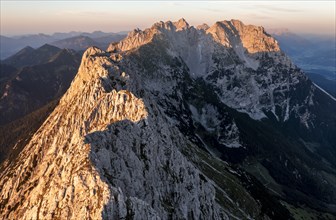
(69, 169)
(203, 27)
(236, 44)
(181, 24)
(253, 38)
(196, 45)
(125, 139)
(57, 176)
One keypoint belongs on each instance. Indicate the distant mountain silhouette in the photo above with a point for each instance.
(45, 74)
(11, 45)
(76, 43)
(313, 53)
(83, 42)
(29, 56)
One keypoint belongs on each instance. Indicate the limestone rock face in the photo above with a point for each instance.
(105, 153)
(239, 50)
(56, 177)
(134, 39)
(137, 37)
(125, 140)
(203, 27)
(253, 38)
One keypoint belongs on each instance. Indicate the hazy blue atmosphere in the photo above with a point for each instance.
(29, 17)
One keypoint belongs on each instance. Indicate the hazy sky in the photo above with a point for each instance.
(27, 17)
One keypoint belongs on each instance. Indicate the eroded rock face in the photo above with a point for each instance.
(113, 147)
(256, 76)
(253, 38)
(104, 153)
(56, 177)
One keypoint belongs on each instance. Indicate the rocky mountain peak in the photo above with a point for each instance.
(253, 38)
(94, 66)
(48, 47)
(181, 24)
(144, 128)
(57, 171)
(134, 32)
(203, 27)
(62, 56)
(138, 37)
(133, 40)
(92, 51)
(232, 34)
(26, 49)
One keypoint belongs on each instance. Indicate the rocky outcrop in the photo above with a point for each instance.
(140, 130)
(226, 45)
(253, 38)
(105, 153)
(56, 176)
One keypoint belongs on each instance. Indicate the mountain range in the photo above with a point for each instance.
(177, 122)
(73, 40)
(315, 54)
(34, 77)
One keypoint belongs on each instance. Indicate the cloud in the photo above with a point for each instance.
(273, 8)
(259, 16)
(263, 8)
(212, 10)
(82, 13)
